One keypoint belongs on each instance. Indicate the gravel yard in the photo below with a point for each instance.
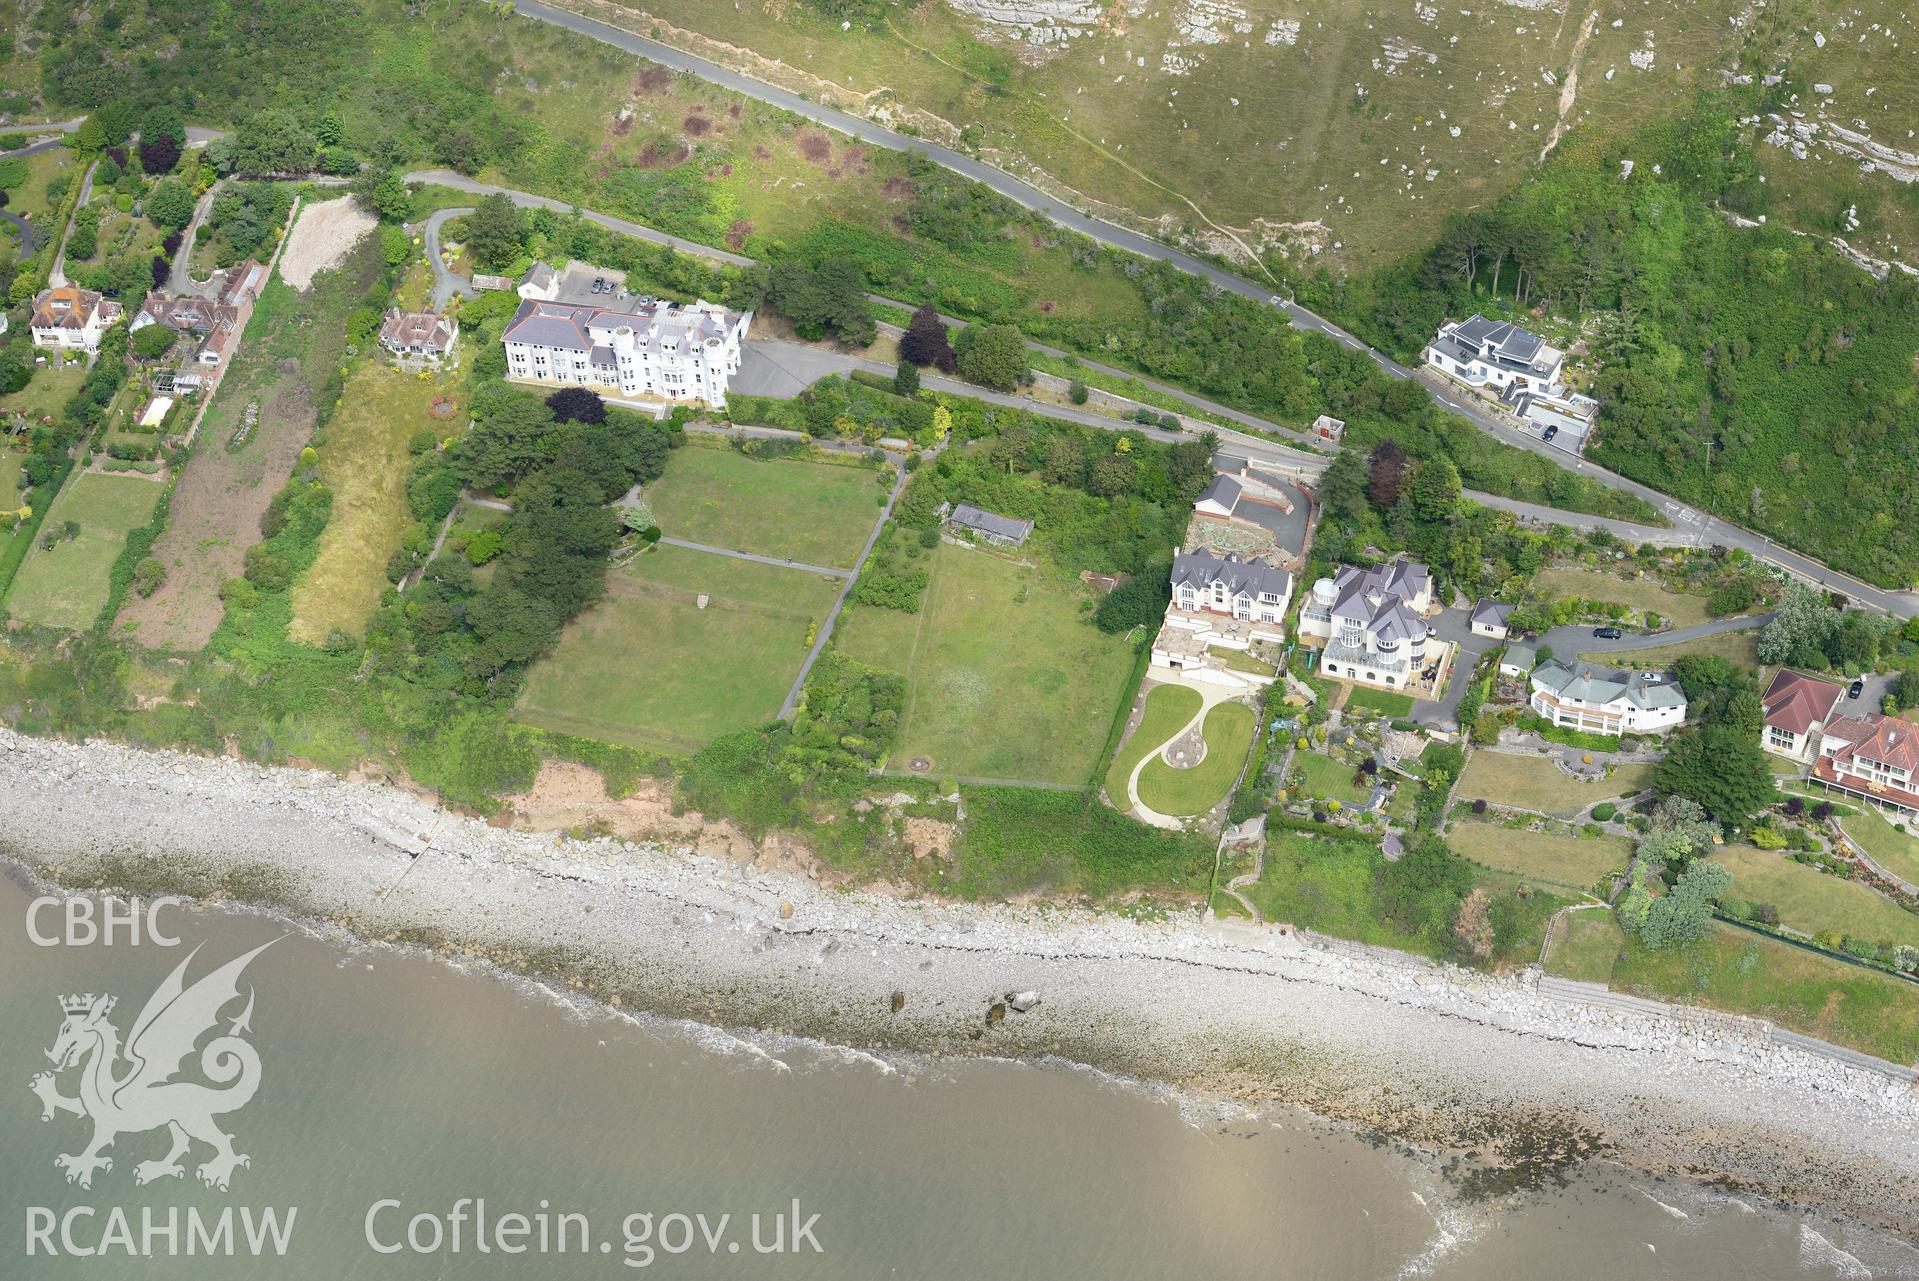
(321, 238)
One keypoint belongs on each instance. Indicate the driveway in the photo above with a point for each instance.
(1578, 638)
(28, 241)
(446, 281)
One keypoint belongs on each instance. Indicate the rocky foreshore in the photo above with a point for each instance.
(1428, 1054)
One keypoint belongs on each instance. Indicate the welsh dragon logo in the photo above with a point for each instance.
(133, 1089)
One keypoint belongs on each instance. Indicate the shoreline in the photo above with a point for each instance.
(1443, 1059)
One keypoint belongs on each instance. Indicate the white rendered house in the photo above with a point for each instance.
(658, 350)
(1583, 697)
(1371, 621)
(72, 319)
(1496, 355)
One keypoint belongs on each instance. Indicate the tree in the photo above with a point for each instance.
(1343, 488)
(170, 204)
(508, 439)
(385, 193)
(1110, 477)
(1678, 830)
(152, 342)
(1683, 914)
(91, 137)
(906, 379)
(495, 231)
(1801, 625)
(159, 154)
(163, 121)
(1077, 393)
(1436, 490)
(1421, 892)
(272, 141)
(149, 573)
(576, 405)
(1720, 766)
(992, 356)
(925, 341)
(827, 300)
(1905, 691)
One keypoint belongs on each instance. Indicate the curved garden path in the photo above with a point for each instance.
(1210, 696)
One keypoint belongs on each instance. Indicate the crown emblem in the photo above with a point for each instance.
(83, 1004)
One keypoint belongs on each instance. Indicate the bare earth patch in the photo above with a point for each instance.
(321, 238)
(567, 797)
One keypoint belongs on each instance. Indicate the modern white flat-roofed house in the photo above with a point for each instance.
(1583, 697)
(72, 319)
(658, 350)
(1372, 622)
(1495, 354)
(1797, 709)
(1871, 757)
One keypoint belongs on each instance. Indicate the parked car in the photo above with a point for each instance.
(1652, 678)
(1551, 431)
(1855, 689)
(1431, 631)
(599, 285)
(1607, 633)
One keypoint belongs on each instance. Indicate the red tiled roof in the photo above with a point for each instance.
(1822, 769)
(1796, 703)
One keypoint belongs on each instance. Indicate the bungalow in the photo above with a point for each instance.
(419, 339)
(990, 527)
(1583, 697)
(1372, 622)
(1489, 618)
(1797, 709)
(1871, 757)
(72, 319)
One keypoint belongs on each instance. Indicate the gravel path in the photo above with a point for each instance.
(1426, 1053)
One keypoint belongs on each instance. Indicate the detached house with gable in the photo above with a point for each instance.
(1871, 757)
(1221, 603)
(1797, 709)
(70, 318)
(1372, 622)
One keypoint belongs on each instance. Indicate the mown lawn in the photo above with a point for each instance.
(1168, 707)
(1586, 946)
(1744, 973)
(364, 461)
(1896, 851)
(1535, 783)
(1741, 649)
(1331, 780)
(1674, 609)
(1813, 902)
(50, 387)
(816, 513)
(1573, 862)
(648, 668)
(1385, 701)
(1228, 730)
(65, 586)
(1006, 679)
(1020, 840)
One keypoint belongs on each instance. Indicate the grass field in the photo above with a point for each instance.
(1813, 902)
(816, 513)
(1741, 649)
(67, 585)
(30, 199)
(51, 387)
(12, 465)
(648, 668)
(1586, 946)
(1744, 973)
(1573, 862)
(1896, 851)
(1228, 730)
(364, 460)
(1006, 680)
(1535, 783)
(1168, 707)
(1386, 701)
(1640, 593)
(1331, 780)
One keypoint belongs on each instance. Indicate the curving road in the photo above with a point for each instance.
(446, 282)
(1698, 528)
(28, 243)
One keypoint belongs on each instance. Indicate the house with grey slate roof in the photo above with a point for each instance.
(656, 351)
(1598, 700)
(990, 527)
(1372, 623)
(1221, 603)
(1489, 618)
(1495, 354)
